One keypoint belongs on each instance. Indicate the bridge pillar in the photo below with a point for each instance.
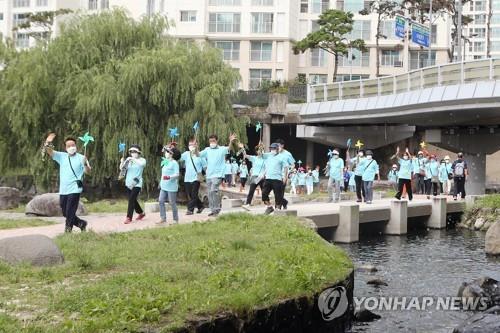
(398, 222)
(437, 220)
(476, 165)
(348, 228)
(266, 135)
(310, 154)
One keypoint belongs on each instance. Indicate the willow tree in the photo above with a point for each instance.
(123, 81)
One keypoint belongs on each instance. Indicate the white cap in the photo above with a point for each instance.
(335, 152)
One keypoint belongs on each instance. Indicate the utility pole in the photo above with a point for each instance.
(430, 34)
(458, 4)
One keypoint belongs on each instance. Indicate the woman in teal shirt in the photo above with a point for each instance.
(443, 176)
(406, 168)
(169, 183)
(243, 175)
(134, 165)
(432, 177)
(370, 169)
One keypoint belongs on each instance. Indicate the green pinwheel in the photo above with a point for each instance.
(86, 139)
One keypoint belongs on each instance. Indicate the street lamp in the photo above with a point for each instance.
(468, 40)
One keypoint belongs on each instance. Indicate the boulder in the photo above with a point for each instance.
(377, 282)
(479, 223)
(492, 239)
(9, 197)
(364, 315)
(48, 205)
(367, 268)
(38, 250)
(484, 322)
(486, 287)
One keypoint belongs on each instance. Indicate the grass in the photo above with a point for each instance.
(23, 223)
(489, 201)
(108, 206)
(158, 280)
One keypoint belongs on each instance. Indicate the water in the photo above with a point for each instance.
(422, 263)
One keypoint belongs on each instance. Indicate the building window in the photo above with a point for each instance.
(104, 4)
(355, 77)
(495, 32)
(1, 16)
(387, 29)
(339, 5)
(495, 19)
(479, 6)
(230, 49)
(262, 2)
(479, 32)
(20, 3)
(353, 5)
(496, 4)
(480, 19)
(224, 22)
(188, 15)
(19, 18)
(360, 30)
(476, 47)
(262, 23)
(418, 59)
(261, 51)
(304, 6)
(150, 7)
(42, 3)
(495, 46)
(318, 78)
(22, 40)
(258, 76)
(224, 3)
(390, 58)
(476, 57)
(280, 75)
(359, 59)
(92, 4)
(318, 58)
(320, 6)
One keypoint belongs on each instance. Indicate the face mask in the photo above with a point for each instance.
(442, 164)
(71, 150)
(168, 155)
(274, 152)
(360, 154)
(405, 157)
(213, 145)
(335, 156)
(192, 148)
(134, 155)
(369, 157)
(420, 156)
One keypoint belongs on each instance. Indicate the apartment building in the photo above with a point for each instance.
(13, 13)
(256, 36)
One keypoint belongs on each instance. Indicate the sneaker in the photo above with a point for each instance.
(189, 212)
(246, 207)
(68, 230)
(83, 225)
(455, 198)
(213, 214)
(161, 222)
(140, 217)
(285, 205)
(128, 220)
(200, 210)
(368, 202)
(269, 210)
(359, 200)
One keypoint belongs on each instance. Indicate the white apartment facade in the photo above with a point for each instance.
(256, 36)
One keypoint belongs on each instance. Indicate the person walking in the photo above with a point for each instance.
(315, 173)
(243, 171)
(72, 166)
(290, 161)
(448, 185)
(133, 182)
(215, 156)
(347, 177)
(355, 162)
(352, 182)
(443, 176)
(370, 169)
(335, 169)
(309, 181)
(228, 174)
(294, 178)
(404, 174)
(460, 174)
(193, 176)
(392, 176)
(432, 176)
(419, 171)
(257, 173)
(234, 171)
(276, 175)
(169, 184)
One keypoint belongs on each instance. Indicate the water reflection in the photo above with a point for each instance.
(423, 263)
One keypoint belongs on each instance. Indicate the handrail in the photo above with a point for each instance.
(432, 76)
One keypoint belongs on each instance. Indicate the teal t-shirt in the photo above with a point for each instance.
(172, 170)
(67, 180)
(315, 176)
(134, 171)
(294, 179)
(216, 161)
(243, 171)
(302, 178)
(191, 174)
(392, 176)
(336, 166)
(258, 165)
(228, 169)
(432, 169)
(309, 179)
(405, 168)
(356, 162)
(275, 165)
(234, 167)
(288, 157)
(369, 169)
(419, 164)
(443, 173)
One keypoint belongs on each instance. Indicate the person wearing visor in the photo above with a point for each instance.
(392, 176)
(276, 167)
(133, 181)
(370, 169)
(194, 166)
(335, 171)
(355, 162)
(169, 183)
(404, 174)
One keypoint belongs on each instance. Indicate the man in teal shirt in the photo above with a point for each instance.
(72, 166)
(288, 157)
(355, 163)
(370, 169)
(405, 173)
(335, 169)
(194, 166)
(215, 156)
(276, 167)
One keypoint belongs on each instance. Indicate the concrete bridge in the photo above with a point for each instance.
(454, 106)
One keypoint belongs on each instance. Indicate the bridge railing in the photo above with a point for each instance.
(434, 76)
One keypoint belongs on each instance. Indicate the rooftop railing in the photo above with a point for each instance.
(434, 76)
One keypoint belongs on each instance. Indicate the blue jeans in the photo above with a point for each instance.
(171, 198)
(213, 194)
(368, 186)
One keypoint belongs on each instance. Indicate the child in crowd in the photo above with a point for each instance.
(301, 181)
(392, 176)
(309, 181)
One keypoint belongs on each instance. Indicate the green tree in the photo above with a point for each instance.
(120, 79)
(383, 10)
(334, 25)
(39, 24)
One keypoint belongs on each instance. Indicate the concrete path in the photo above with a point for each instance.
(104, 223)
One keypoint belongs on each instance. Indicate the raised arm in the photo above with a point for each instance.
(49, 147)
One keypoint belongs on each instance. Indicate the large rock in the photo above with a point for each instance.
(485, 287)
(484, 322)
(9, 197)
(365, 315)
(38, 250)
(492, 239)
(48, 205)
